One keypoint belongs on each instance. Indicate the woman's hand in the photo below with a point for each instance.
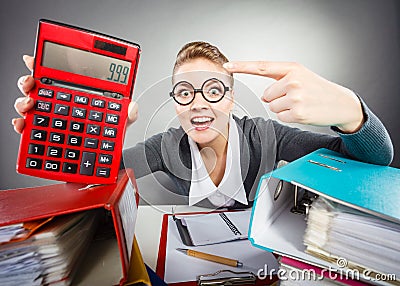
(132, 113)
(301, 96)
(24, 104)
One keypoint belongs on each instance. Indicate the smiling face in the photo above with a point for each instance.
(205, 122)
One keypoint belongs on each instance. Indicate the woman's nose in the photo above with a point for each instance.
(199, 102)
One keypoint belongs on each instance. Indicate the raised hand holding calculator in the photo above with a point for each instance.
(83, 86)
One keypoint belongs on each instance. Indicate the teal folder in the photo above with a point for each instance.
(370, 188)
(275, 227)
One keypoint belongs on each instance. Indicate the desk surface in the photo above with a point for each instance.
(104, 267)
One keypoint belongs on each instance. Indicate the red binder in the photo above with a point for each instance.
(27, 204)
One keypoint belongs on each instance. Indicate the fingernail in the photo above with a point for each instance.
(28, 100)
(229, 65)
(22, 80)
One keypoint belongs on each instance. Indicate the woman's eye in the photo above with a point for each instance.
(184, 93)
(214, 91)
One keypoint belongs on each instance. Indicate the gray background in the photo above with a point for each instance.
(353, 43)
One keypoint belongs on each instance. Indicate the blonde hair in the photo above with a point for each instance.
(202, 50)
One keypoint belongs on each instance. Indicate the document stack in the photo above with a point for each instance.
(47, 251)
(350, 231)
(354, 240)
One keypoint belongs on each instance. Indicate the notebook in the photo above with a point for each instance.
(212, 228)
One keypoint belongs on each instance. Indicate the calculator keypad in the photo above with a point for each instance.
(74, 133)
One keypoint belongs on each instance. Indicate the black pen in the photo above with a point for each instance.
(211, 257)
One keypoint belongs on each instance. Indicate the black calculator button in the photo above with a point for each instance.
(72, 154)
(112, 119)
(87, 163)
(95, 115)
(91, 143)
(43, 106)
(70, 168)
(74, 140)
(36, 149)
(54, 151)
(59, 123)
(57, 138)
(38, 135)
(103, 172)
(61, 109)
(53, 166)
(33, 163)
(110, 132)
(81, 99)
(93, 129)
(105, 159)
(79, 112)
(63, 96)
(114, 106)
(98, 103)
(43, 92)
(107, 145)
(76, 126)
(40, 120)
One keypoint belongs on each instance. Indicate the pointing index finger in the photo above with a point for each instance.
(275, 70)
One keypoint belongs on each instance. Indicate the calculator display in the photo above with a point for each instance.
(77, 61)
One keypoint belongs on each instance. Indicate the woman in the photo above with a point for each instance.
(216, 158)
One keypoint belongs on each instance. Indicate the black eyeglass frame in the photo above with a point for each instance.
(196, 90)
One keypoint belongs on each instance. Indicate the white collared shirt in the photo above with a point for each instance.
(231, 187)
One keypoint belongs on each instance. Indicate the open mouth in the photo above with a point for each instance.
(202, 122)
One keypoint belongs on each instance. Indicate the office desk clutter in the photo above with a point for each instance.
(349, 224)
(50, 255)
(46, 239)
(171, 261)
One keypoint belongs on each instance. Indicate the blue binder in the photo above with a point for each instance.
(366, 187)
(370, 188)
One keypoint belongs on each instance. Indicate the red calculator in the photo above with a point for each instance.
(83, 86)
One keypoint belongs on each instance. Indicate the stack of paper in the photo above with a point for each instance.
(48, 256)
(353, 239)
(8, 232)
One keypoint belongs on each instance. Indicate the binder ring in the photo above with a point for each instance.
(278, 190)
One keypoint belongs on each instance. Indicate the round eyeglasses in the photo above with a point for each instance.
(212, 90)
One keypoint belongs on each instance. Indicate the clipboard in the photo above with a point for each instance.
(289, 191)
(227, 277)
(121, 199)
(213, 276)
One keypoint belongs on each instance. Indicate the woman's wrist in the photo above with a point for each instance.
(355, 113)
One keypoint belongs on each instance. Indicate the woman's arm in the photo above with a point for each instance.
(301, 96)
(371, 143)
